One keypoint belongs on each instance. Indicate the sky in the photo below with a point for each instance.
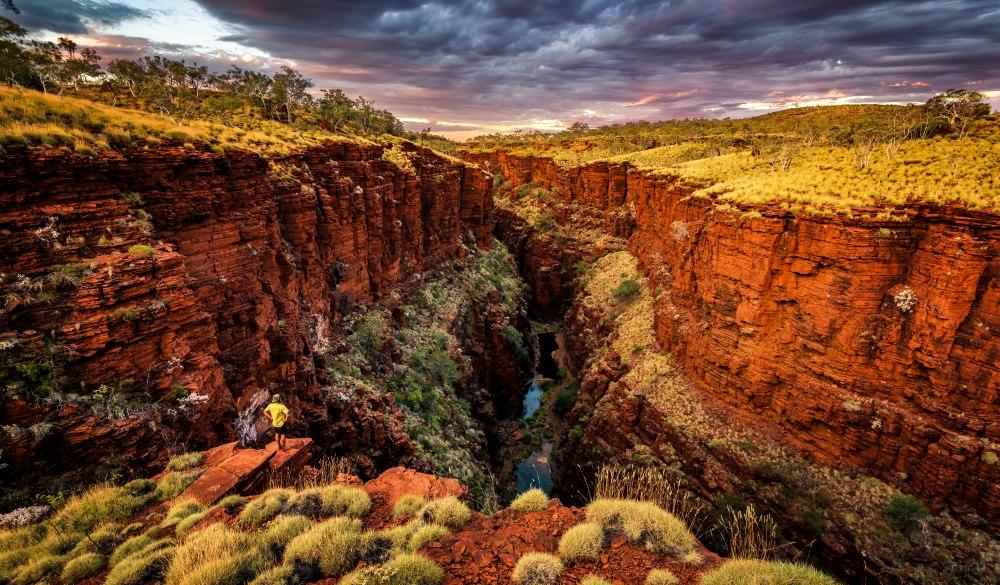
(469, 67)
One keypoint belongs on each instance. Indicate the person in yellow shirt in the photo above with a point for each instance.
(277, 413)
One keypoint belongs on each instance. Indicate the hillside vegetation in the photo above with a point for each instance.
(837, 159)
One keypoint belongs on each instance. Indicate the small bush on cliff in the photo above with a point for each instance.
(280, 575)
(537, 569)
(184, 461)
(583, 541)
(83, 566)
(408, 505)
(329, 549)
(755, 572)
(533, 500)
(661, 577)
(627, 291)
(265, 507)
(141, 250)
(140, 487)
(129, 548)
(905, 512)
(565, 400)
(643, 523)
(448, 511)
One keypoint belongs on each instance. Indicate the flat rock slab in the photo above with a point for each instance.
(211, 486)
(231, 469)
(293, 458)
(217, 455)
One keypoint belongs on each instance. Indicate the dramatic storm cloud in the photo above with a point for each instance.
(461, 66)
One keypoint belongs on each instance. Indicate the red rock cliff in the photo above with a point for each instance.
(240, 297)
(862, 342)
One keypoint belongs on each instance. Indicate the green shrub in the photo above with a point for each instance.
(83, 566)
(448, 511)
(280, 575)
(408, 505)
(753, 572)
(184, 461)
(140, 487)
(141, 249)
(217, 555)
(565, 400)
(282, 530)
(594, 580)
(305, 503)
(102, 541)
(405, 569)
(425, 534)
(99, 505)
(141, 569)
(265, 507)
(661, 577)
(129, 548)
(342, 500)
(414, 569)
(38, 569)
(627, 290)
(583, 541)
(182, 510)
(232, 503)
(329, 549)
(533, 500)
(228, 570)
(905, 512)
(537, 569)
(190, 521)
(643, 523)
(173, 484)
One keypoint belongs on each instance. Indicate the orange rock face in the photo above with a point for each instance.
(251, 272)
(864, 342)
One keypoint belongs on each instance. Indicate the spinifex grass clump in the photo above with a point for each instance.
(329, 549)
(644, 523)
(533, 500)
(756, 572)
(408, 505)
(448, 512)
(583, 541)
(537, 569)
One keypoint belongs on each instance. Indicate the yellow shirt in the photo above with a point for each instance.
(278, 413)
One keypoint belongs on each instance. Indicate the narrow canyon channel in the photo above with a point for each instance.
(536, 470)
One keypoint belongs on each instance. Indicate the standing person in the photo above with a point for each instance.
(277, 413)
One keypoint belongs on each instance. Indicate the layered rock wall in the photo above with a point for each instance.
(253, 264)
(865, 342)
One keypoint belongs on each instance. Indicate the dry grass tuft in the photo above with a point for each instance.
(533, 500)
(643, 523)
(755, 572)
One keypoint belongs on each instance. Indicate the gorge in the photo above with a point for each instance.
(811, 366)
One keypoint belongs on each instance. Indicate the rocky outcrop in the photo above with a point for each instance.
(250, 267)
(863, 342)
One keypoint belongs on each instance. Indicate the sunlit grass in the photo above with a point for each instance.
(35, 119)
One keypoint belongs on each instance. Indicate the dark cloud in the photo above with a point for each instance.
(74, 16)
(508, 62)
